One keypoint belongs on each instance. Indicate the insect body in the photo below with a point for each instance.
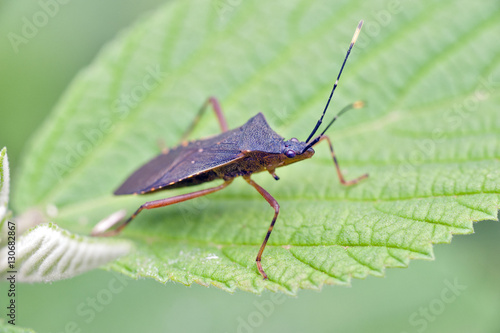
(251, 148)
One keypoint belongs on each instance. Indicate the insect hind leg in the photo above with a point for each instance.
(162, 203)
(337, 167)
(214, 102)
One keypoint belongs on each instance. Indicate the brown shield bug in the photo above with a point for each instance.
(250, 148)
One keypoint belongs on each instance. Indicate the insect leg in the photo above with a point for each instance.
(163, 147)
(339, 173)
(276, 207)
(218, 112)
(163, 203)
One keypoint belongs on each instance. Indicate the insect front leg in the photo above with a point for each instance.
(218, 112)
(273, 173)
(162, 203)
(276, 207)
(339, 172)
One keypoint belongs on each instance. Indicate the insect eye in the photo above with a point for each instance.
(290, 153)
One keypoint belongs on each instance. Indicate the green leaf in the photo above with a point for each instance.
(8, 328)
(4, 191)
(430, 73)
(4, 183)
(48, 253)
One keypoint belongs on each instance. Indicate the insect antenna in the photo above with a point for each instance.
(353, 41)
(355, 105)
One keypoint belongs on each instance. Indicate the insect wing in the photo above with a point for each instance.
(179, 163)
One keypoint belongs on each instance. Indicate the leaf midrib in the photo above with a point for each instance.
(96, 203)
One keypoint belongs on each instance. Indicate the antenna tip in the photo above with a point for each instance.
(358, 104)
(356, 33)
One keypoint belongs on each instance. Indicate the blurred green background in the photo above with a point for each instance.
(417, 299)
